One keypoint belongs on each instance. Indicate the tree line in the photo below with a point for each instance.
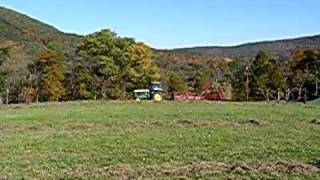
(106, 66)
(264, 77)
(276, 78)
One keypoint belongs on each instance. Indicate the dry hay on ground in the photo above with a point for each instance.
(201, 168)
(315, 122)
(200, 123)
(144, 124)
(256, 122)
(217, 168)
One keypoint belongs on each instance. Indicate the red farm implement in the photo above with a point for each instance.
(218, 92)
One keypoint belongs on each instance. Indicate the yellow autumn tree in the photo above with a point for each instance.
(142, 70)
(51, 76)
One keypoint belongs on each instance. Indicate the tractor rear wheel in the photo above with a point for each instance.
(157, 97)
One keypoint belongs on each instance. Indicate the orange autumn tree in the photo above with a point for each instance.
(51, 76)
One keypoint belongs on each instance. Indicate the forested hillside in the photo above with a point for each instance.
(25, 39)
(277, 48)
(41, 63)
(31, 35)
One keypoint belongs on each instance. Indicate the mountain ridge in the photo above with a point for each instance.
(245, 43)
(32, 33)
(276, 47)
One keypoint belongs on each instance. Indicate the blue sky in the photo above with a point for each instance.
(180, 23)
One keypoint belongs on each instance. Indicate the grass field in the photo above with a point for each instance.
(205, 140)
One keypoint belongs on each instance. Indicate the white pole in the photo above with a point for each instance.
(247, 84)
(317, 83)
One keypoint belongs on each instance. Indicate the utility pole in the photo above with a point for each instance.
(317, 83)
(8, 91)
(36, 76)
(247, 83)
(305, 98)
(7, 96)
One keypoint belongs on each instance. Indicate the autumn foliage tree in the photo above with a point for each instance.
(104, 65)
(268, 76)
(4, 53)
(49, 66)
(110, 66)
(176, 83)
(141, 68)
(304, 64)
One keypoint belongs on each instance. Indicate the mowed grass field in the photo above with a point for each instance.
(127, 140)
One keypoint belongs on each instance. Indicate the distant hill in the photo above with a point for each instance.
(31, 35)
(279, 47)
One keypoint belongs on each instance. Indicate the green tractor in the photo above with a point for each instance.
(153, 93)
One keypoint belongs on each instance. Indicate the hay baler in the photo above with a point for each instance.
(154, 92)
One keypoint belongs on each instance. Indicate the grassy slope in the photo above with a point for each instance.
(76, 139)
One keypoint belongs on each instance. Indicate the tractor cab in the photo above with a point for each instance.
(155, 87)
(153, 93)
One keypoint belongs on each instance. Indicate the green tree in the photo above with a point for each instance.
(96, 70)
(176, 83)
(304, 64)
(201, 77)
(112, 65)
(238, 79)
(268, 76)
(4, 54)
